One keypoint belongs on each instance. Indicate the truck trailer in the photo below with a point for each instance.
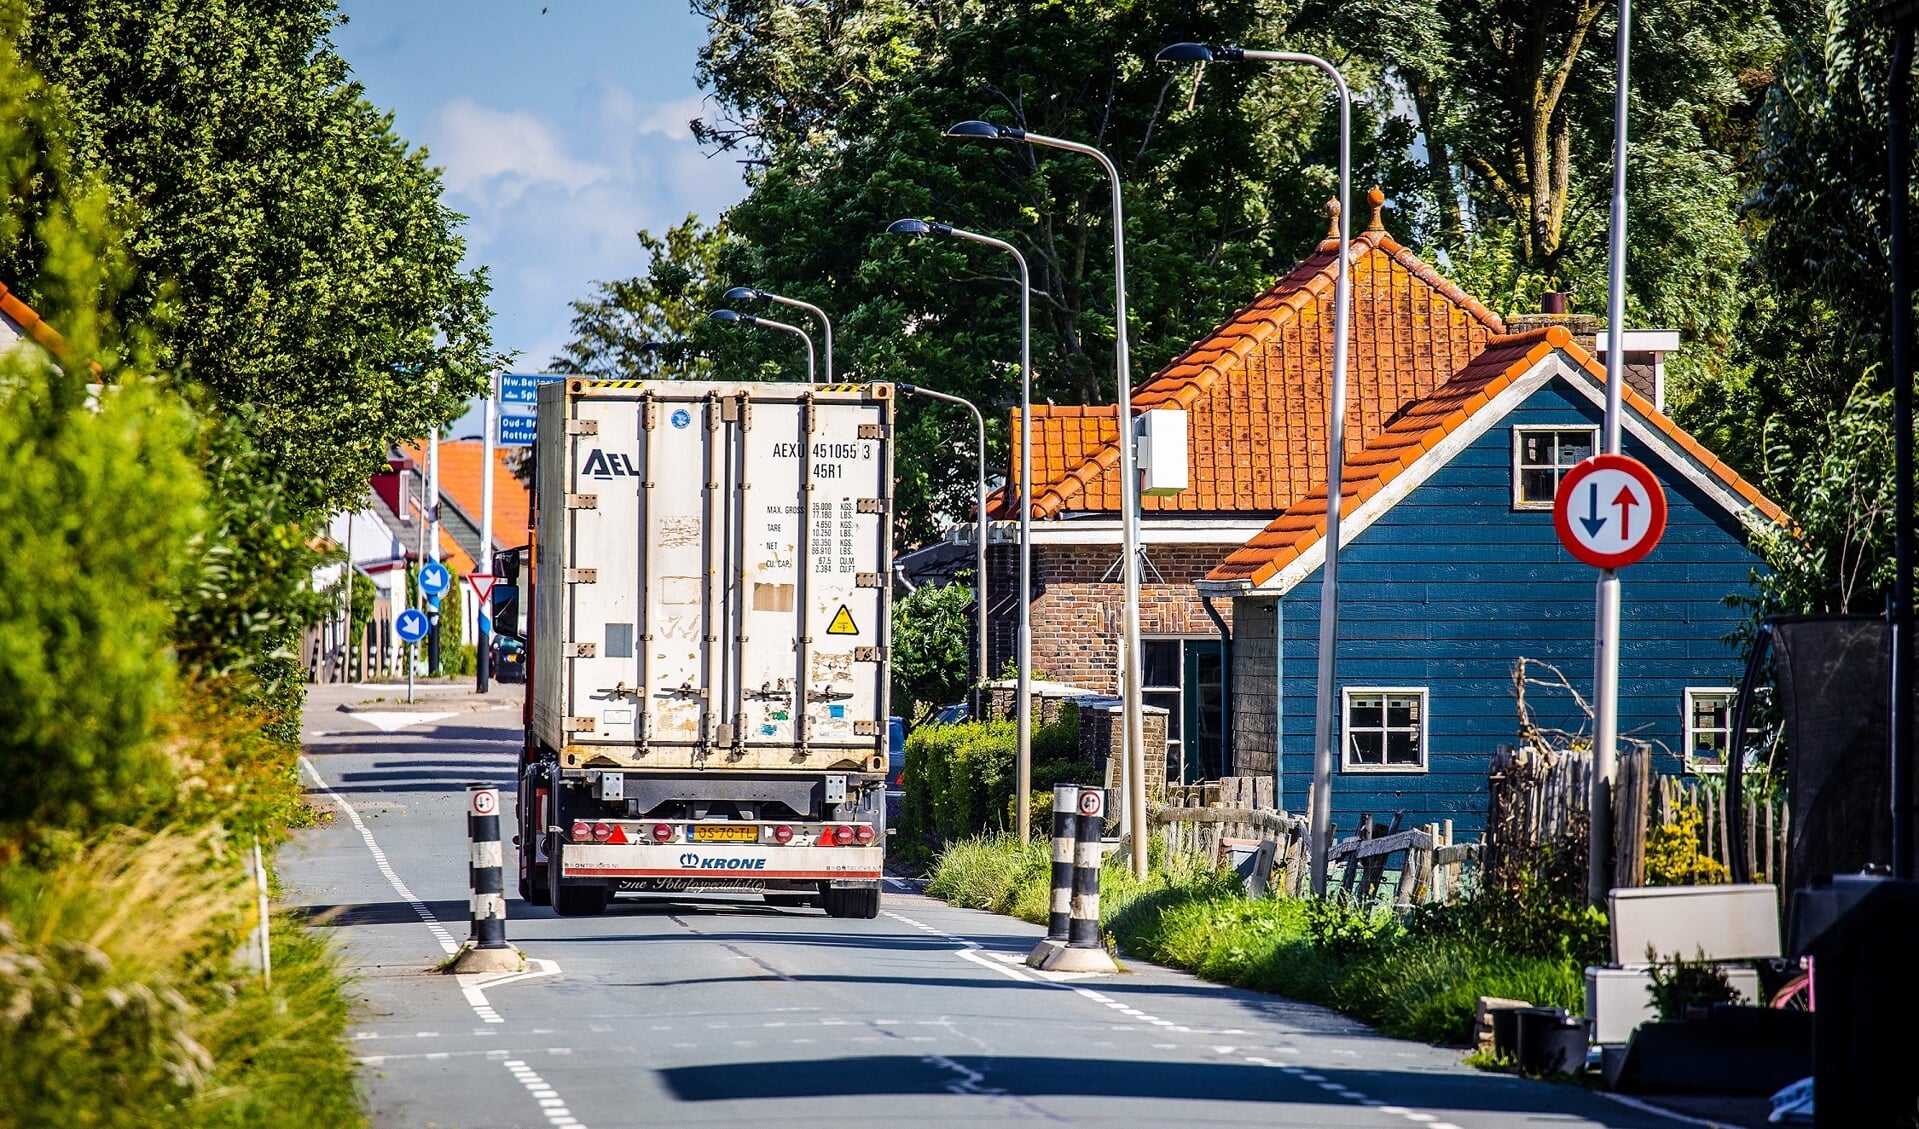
(707, 698)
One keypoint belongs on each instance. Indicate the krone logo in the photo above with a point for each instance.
(689, 860)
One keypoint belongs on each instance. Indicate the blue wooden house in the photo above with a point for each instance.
(1450, 572)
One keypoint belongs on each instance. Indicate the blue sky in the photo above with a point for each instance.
(561, 129)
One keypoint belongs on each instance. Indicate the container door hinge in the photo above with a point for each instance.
(587, 501)
(872, 505)
(869, 580)
(872, 431)
(650, 416)
(580, 650)
(582, 576)
(869, 654)
(583, 427)
(582, 724)
(866, 729)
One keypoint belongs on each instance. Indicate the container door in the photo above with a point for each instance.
(602, 578)
(681, 537)
(844, 598)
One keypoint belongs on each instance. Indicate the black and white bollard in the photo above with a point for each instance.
(1060, 912)
(486, 948)
(1083, 952)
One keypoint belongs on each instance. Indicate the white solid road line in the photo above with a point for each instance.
(471, 986)
(379, 858)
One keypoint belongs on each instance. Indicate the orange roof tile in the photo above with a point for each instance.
(1420, 426)
(460, 483)
(1255, 387)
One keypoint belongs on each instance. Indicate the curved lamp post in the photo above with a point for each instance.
(1325, 726)
(1128, 477)
(979, 586)
(746, 293)
(734, 317)
(1023, 707)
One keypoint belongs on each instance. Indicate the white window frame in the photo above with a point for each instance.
(1346, 696)
(1520, 431)
(1731, 694)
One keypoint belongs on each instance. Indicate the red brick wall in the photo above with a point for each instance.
(1076, 606)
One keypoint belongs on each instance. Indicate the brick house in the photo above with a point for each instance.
(1254, 389)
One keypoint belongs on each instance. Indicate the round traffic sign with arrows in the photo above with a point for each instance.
(411, 625)
(1609, 511)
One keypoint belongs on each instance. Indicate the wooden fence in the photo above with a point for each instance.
(1541, 797)
(1207, 821)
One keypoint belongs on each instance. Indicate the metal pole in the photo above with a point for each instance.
(1899, 160)
(483, 612)
(1607, 598)
(1135, 811)
(433, 540)
(979, 587)
(1326, 694)
(1023, 707)
(346, 630)
(769, 323)
(826, 324)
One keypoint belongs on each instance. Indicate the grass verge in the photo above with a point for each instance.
(1414, 979)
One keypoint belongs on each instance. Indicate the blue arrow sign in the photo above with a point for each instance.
(411, 626)
(516, 431)
(1592, 521)
(435, 579)
(524, 388)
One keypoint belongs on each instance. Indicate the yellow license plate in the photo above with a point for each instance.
(726, 834)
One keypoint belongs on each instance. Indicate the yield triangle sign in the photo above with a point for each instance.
(482, 584)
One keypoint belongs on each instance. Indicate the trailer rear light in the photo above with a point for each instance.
(662, 833)
(602, 832)
(782, 834)
(582, 831)
(864, 834)
(842, 835)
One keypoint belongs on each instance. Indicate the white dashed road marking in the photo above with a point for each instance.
(972, 951)
(552, 1106)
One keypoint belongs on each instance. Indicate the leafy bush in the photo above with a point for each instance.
(1678, 983)
(960, 780)
(1674, 854)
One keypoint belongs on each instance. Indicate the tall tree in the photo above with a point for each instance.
(650, 325)
(291, 247)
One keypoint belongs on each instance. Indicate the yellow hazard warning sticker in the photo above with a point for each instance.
(842, 623)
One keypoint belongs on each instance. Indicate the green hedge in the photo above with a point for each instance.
(960, 779)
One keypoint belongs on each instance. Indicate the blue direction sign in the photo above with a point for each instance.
(435, 579)
(524, 387)
(516, 431)
(412, 626)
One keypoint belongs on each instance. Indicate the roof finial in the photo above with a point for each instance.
(1377, 200)
(1332, 215)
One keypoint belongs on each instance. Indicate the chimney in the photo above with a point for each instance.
(1645, 360)
(1552, 311)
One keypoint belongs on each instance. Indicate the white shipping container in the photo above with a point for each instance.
(711, 575)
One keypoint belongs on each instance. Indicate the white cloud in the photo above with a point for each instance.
(479, 146)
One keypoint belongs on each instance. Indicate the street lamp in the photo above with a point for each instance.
(748, 293)
(1128, 477)
(1023, 709)
(1324, 715)
(979, 586)
(731, 317)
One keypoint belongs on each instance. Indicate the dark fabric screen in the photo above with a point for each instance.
(1832, 681)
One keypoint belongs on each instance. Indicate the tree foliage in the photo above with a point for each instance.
(289, 248)
(931, 626)
(651, 325)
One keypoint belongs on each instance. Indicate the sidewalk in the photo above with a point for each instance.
(436, 694)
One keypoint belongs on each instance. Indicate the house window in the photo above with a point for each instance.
(1385, 729)
(1183, 677)
(1541, 456)
(1709, 727)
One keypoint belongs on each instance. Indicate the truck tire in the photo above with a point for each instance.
(573, 901)
(861, 902)
(534, 890)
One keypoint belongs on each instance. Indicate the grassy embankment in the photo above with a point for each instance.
(1417, 978)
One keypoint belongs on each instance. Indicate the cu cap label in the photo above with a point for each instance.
(1092, 801)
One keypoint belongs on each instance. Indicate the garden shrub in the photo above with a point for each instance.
(1674, 854)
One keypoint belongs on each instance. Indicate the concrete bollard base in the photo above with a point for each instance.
(470, 959)
(1070, 959)
(1043, 951)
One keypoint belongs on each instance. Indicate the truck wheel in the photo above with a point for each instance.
(862, 902)
(533, 888)
(572, 901)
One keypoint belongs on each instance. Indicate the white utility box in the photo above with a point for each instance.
(1617, 1000)
(1717, 923)
(1161, 435)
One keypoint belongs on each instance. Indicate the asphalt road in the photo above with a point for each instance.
(684, 1013)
